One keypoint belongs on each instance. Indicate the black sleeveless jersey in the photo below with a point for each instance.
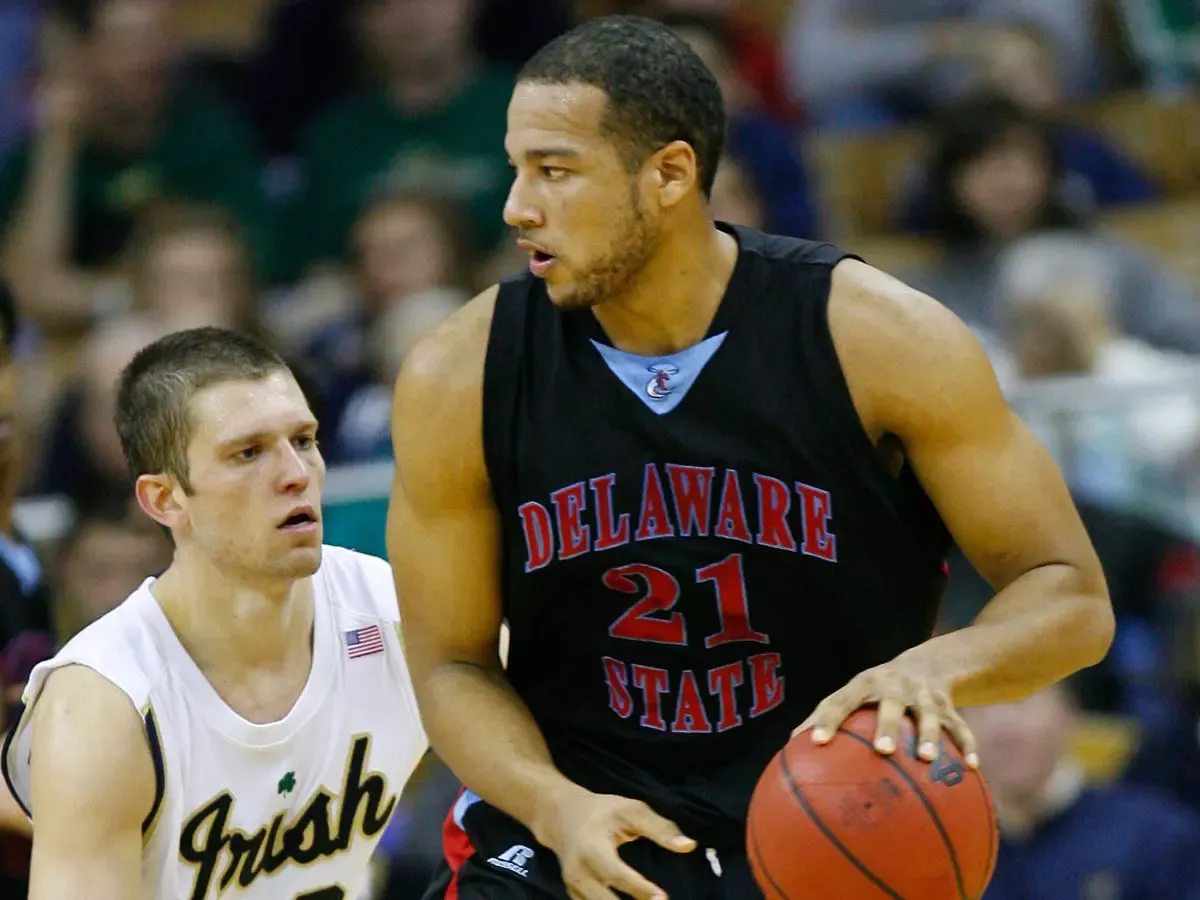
(696, 548)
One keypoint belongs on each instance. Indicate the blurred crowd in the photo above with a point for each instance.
(329, 174)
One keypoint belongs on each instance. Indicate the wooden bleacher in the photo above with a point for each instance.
(860, 178)
(1170, 230)
(1162, 137)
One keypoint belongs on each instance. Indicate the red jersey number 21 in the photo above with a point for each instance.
(654, 619)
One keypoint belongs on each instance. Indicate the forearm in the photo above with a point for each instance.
(38, 251)
(483, 731)
(1047, 624)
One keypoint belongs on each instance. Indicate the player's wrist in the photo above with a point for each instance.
(549, 803)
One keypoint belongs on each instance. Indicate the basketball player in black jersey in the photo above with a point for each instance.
(708, 478)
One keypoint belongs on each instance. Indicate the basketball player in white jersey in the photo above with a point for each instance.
(244, 723)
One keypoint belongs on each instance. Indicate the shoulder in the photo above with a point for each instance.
(437, 409)
(89, 744)
(360, 583)
(447, 363)
(119, 646)
(902, 352)
(786, 251)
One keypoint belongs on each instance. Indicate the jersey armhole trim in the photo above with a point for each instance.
(501, 375)
(154, 739)
(8, 740)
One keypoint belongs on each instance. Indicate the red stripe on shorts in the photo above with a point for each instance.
(457, 848)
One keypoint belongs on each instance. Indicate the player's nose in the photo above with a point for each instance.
(295, 471)
(519, 212)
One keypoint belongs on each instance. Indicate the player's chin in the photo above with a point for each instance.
(566, 297)
(301, 562)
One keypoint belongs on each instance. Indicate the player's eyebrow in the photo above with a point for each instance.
(262, 434)
(546, 152)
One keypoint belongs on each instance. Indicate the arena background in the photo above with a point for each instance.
(329, 174)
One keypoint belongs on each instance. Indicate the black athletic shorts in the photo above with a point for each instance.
(491, 856)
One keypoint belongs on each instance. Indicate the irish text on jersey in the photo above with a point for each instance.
(324, 827)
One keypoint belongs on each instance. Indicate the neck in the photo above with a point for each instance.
(671, 304)
(228, 625)
(418, 91)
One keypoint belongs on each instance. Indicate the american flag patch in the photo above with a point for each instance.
(364, 641)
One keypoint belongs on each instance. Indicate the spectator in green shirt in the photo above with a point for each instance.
(114, 134)
(435, 122)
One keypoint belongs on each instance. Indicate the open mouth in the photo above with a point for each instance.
(540, 257)
(299, 520)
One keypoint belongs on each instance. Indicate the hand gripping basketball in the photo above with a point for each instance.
(585, 830)
(895, 689)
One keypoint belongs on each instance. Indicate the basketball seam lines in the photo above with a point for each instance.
(756, 851)
(937, 821)
(821, 826)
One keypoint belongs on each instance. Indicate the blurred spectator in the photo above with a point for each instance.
(404, 246)
(753, 48)
(285, 89)
(876, 63)
(1059, 838)
(1168, 758)
(510, 32)
(735, 198)
(18, 38)
(1145, 565)
(114, 132)
(189, 266)
(436, 123)
(765, 146)
(1057, 293)
(83, 460)
(26, 618)
(1095, 175)
(108, 553)
(363, 431)
(995, 178)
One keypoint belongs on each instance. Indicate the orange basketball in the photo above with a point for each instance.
(843, 821)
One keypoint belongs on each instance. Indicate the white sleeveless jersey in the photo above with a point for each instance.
(287, 810)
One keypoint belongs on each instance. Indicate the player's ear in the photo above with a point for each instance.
(157, 496)
(678, 172)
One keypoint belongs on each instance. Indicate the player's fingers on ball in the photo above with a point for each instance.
(929, 725)
(887, 724)
(828, 718)
(962, 736)
(645, 822)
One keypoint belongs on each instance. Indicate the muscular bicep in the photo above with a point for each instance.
(91, 788)
(918, 373)
(443, 533)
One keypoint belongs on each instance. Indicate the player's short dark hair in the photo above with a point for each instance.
(658, 89)
(158, 384)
